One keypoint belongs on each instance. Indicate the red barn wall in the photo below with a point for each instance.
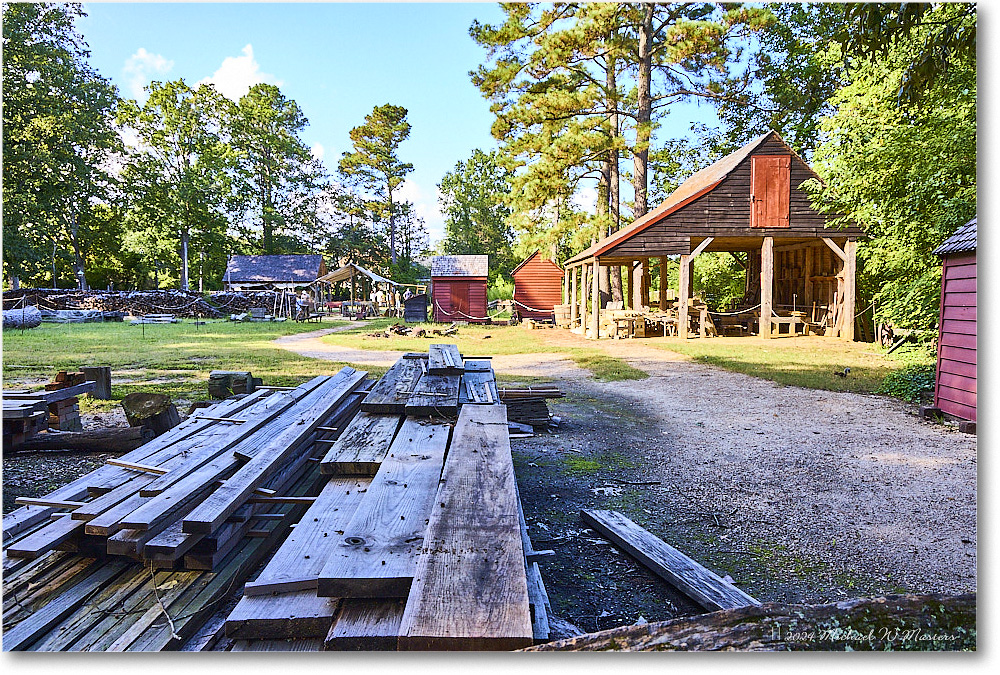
(955, 386)
(459, 298)
(538, 284)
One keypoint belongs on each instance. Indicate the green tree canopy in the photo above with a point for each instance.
(374, 162)
(472, 199)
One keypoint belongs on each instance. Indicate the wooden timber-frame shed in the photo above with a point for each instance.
(955, 376)
(537, 287)
(458, 287)
(750, 201)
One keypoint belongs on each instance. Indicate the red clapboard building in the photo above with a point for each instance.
(458, 287)
(955, 380)
(537, 287)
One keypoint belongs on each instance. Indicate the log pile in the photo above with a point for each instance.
(230, 302)
(407, 533)
(526, 405)
(136, 303)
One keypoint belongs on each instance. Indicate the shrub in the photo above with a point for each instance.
(908, 383)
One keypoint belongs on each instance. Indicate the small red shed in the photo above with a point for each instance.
(458, 287)
(537, 287)
(955, 380)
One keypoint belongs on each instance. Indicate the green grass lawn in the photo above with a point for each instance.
(801, 361)
(172, 359)
(478, 340)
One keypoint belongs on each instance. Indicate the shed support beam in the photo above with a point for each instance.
(836, 249)
(766, 285)
(636, 285)
(584, 291)
(646, 282)
(807, 272)
(850, 290)
(595, 320)
(631, 287)
(701, 247)
(663, 283)
(573, 307)
(683, 293)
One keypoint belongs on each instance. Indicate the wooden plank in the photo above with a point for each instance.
(375, 557)
(362, 446)
(469, 590)
(46, 539)
(299, 614)
(434, 395)
(390, 393)
(54, 395)
(690, 577)
(298, 645)
(365, 625)
(766, 287)
(297, 564)
(444, 359)
(42, 621)
(309, 414)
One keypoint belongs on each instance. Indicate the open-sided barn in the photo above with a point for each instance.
(955, 376)
(537, 287)
(458, 284)
(752, 205)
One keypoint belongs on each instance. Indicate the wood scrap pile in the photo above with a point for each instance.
(407, 532)
(233, 302)
(27, 413)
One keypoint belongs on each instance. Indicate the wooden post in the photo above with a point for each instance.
(595, 320)
(766, 285)
(584, 289)
(573, 307)
(636, 285)
(683, 293)
(102, 376)
(807, 272)
(663, 283)
(631, 288)
(850, 290)
(646, 283)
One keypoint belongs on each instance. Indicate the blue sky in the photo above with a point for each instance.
(337, 60)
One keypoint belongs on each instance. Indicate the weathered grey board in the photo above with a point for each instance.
(55, 394)
(470, 591)
(363, 445)
(391, 392)
(299, 645)
(444, 360)
(296, 566)
(365, 625)
(299, 614)
(46, 539)
(375, 557)
(434, 395)
(234, 492)
(479, 387)
(690, 577)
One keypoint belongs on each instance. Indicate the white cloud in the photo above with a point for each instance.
(425, 205)
(318, 151)
(237, 74)
(142, 68)
(586, 199)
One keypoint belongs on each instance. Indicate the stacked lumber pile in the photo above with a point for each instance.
(231, 302)
(526, 405)
(417, 540)
(26, 413)
(406, 533)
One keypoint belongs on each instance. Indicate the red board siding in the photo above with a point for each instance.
(955, 388)
(538, 284)
(459, 299)
(770, 189)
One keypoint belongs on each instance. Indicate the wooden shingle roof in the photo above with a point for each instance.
(460, 266)
(963, 240)
(262, 269)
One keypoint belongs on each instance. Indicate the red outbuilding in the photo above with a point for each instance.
(537, 287)
(458, 287)
(955, 378)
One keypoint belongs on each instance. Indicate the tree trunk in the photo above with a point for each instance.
(614, 175)
(604, 283)
(78, 265)
(185, 237)
(900, 622)
(102, 376)
(111, 439)
(15, 283)
(392, 230)
(644, 109)
(154, 411)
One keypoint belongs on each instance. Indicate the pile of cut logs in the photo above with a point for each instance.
(408, 531)
(526, 405)
(137, 303)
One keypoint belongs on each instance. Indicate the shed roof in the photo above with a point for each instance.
(352, 269)
(528, 259)
(262, 269)
(460, 266)
(963, 240)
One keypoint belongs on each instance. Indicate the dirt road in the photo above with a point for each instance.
(799, 494)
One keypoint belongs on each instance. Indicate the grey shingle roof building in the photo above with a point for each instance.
(964, 239)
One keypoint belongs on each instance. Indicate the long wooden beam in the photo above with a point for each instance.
(836, 249)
